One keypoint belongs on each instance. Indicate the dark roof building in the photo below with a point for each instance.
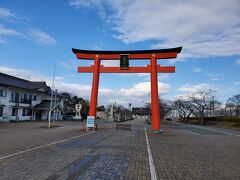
(141, 111)
(8, 80)
(22, 99)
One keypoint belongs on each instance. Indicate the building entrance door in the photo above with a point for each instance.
(38, 115)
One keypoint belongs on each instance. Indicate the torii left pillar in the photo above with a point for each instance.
(95, 85)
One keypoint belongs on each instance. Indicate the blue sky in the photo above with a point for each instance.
(35, 35)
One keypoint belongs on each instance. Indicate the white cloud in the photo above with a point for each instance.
(97, 46)
(8, 32)
(204, 28)
(35, 34)
(163, 76)
(99, 4)
(214, 79)
(70, 65)
(60, 83)
(110, 63)
(83, 3)
(6, 13)
(185, 96)
(196, 87)
(213, 76)
(197, 70)
(136, 94)
(189, 90)
(25, 74)
(143, 89)
(238, 62)
(42, 37)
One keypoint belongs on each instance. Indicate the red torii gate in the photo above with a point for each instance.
(124, 56)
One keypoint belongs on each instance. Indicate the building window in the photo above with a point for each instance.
(34, 97)
(14, 111)
(30, 97)
(25, 98)
(26, 112)
(1, 111)
(3, 91)
(15, 97)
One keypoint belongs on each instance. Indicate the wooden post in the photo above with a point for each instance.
(95, 84)
(154, 95)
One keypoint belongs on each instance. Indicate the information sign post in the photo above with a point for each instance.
(90, 122)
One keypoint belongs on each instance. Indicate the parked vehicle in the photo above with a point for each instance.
(169, 119)
(68, 117)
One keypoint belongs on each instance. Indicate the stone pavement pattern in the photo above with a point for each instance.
(110, 154)
(105, 154)
(180, 155)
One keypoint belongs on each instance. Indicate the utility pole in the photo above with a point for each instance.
(50, 108)
(55, 106)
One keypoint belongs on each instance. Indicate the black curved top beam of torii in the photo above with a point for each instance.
(177, 50)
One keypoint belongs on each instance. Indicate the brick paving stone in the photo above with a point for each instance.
(110, 154)
(186, 156)
(138, 167)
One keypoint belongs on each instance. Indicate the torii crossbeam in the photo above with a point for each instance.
(153, 69)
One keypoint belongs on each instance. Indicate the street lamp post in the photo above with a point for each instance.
(50, 108)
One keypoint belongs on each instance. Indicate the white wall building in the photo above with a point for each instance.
(26, 100)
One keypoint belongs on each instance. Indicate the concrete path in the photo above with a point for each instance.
(181, 152)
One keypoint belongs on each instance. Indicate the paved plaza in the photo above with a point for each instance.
(28, 151)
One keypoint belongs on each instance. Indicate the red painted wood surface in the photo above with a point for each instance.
(95, 85)
(147, 69)
(166, 55)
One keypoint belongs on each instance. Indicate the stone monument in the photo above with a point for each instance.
(78, 108)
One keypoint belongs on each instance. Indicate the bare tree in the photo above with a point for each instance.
(235, 101)
(214, 107)
(122, 113)
(164, 107)
(202, 101)
(229, 109)
(184, 109)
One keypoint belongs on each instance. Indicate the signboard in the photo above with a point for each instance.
(90, 121)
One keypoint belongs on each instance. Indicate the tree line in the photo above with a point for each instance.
(202, 105)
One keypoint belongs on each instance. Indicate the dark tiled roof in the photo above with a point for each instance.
(45, 104)
(39, 85)
(8, 80)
